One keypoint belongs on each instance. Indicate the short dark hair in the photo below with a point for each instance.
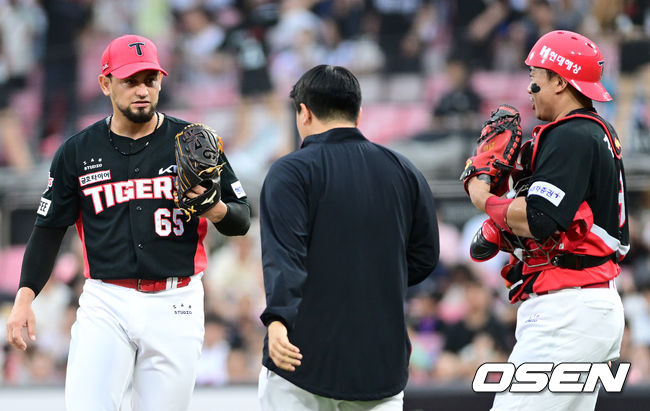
(330, 92)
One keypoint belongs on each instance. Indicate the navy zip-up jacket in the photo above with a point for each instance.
(347, 225)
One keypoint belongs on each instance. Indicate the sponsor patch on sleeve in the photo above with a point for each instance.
(546, 190)
(238, 189)
(50, 181)
(44, 206)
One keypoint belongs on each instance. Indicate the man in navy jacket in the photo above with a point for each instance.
(347, 226)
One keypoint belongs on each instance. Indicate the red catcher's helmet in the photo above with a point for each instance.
(573, 57)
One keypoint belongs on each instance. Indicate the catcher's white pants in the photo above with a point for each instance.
(277, 394)
(124, 337)
(570, 325)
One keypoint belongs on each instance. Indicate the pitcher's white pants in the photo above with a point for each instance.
(123, 336)
(570, 325)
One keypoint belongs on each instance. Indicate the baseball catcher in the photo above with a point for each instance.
(566, 226)
(498, 147)
(198, 151)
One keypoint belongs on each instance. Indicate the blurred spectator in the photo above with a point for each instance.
(422, 312)
(248, 42)
(570, 14)
(295, 43)
(66, 20)
(637, 355)
(213, 369)
(479, 337)
(239, 366)
(637, 310)
(458, 110)
(295, 18)
(20, 23)
(360, 55)
(474, 23)
(199, 41)
(398, 35)
(348, 15)
(540, 20)
(424, 354)
(41, 368)
(633, 95)
(234, 275)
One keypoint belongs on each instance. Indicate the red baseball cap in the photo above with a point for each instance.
(128, 55)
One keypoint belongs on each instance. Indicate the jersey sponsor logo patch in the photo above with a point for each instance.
(169, 170)
(93, 165)
(44, 206)
(94, 177)
(547, 191)
(238, 189)
(50, 181)
(181, 309)
(547, 53)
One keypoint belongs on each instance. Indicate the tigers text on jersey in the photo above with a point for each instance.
(123, 205)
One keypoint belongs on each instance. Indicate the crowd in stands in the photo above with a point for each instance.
(430, 71)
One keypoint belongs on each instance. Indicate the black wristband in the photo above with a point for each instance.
(40, 254)
(237, 220)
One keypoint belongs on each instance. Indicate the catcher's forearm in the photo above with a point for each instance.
(517, 217)
(236, 221)
(478, 192)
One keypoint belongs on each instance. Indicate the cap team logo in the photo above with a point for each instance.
(138, 47)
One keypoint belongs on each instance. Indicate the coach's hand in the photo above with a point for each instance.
(284, 354)
(21, 316)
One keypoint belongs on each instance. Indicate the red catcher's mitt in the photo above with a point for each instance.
(497, 151)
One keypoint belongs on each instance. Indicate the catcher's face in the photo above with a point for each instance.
(544, 100)
(136, 97)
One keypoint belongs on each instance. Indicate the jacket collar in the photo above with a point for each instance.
(334, 135)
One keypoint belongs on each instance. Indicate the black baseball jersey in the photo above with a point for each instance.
(123, 205)
(575, 161)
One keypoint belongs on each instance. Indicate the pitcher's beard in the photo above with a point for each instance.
(139, 116)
